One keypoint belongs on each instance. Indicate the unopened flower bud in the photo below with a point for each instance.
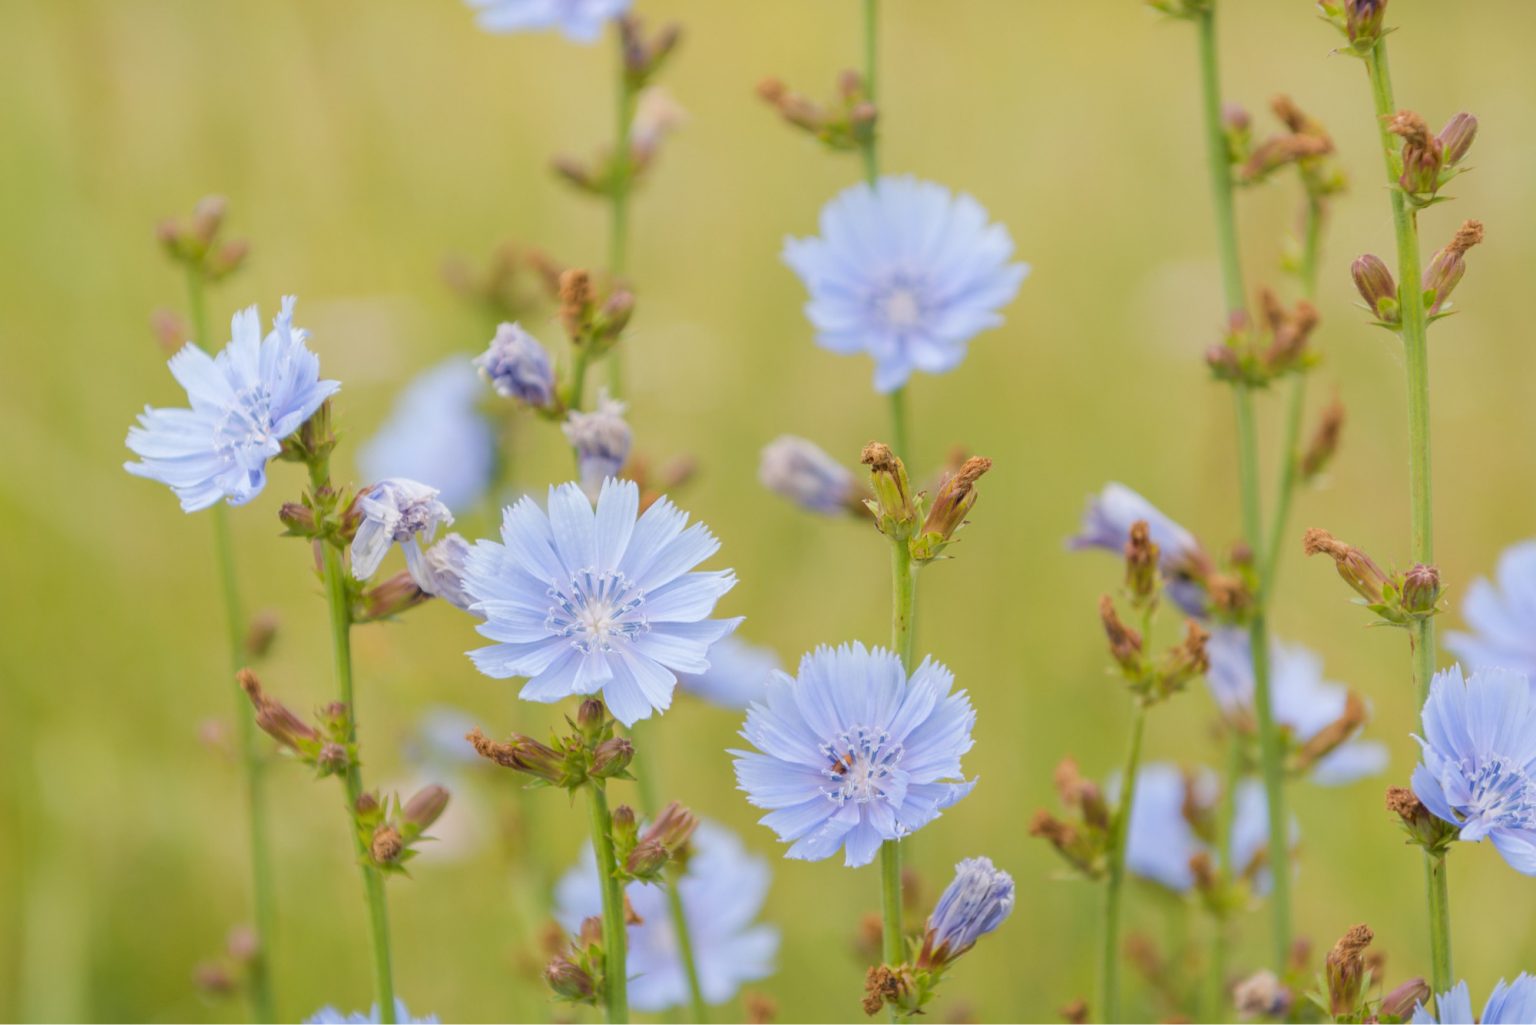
(398, 594)
(1449, 264)
(798, 470)
(332, 759)
(387, 845)
(242, 944)
(612, 757)
(569, 981)
(1325, 441)
(214, 979)
(894, 512)
(613, 317)
(1421, 588)
(673, 827)
(1374, 283)
(1124, 641)
(227, 259)
(298, 519)
(591, 719)
(575, 303)
(1422, 155)
(1344, 969)
(367, 804)
(647, 859)
(590, 934)
(1362, 21)
(524, 754)
(576, 172)
(426, 806)
(1261, 995)
(1402, 1001)
(207, 218)
(1186, 661)
(951, 505)
(273, 717)
(1357, 569)
(260, 634)
(626, 827)
(1234, 118)
(1141, 563)
(602, 440)
(1456, 137)
(518, 367)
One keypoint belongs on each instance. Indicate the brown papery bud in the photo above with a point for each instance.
(1448, 265)
(575, 302)
(272, 716)
(1357, 569)
(1141, 562)
(1344, 969)
(1124, 641)
(387, 845)
(1325, 441)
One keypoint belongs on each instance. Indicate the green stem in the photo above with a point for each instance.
(373, 880)
(1248, 475)
(903, 603)
(576, 387)
(650, 803)
(622, 184)
(1109, 951)
(615, 971)
(262, 890)
(1421, 541)
(1226, 814)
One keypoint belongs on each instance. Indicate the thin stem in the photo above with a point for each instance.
(1109, 951)
(1421, 541)
(649, 805)
(903, 603)
(373, 879)
(622, 184)
(577, 385)
(262, 890)
(1248, 475)
(1226, 814)
(615, 971)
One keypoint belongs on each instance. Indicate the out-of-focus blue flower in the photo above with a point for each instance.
(800, 471)
(1107, 524)
(905, 272)
(585, 601)
(1300, 699)
(976, 902)
(722, 890)
(517, 367)
(1161, 839)
(601, 439)
(1502, 616)
(737, 675)
(1479, 760)
(580, 21)
(330, 1016)
(850, 753)
(1512, 1003)
(440, 571)
(438, 739)
(396, 511)
(245, 401)
(436, 434)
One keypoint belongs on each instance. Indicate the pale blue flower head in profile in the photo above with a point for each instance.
(976, 902)
(1502, 616)
(906, 273)
(602, 440)
(583, 600)
(1107, 523)
(440, 571)
(1301, 700)
(331, 1016)
(1511, 1003)
(396, 511)
(580, 21)
(244, 402)
(517, 367)
(722, 890)
(851, 753)
(738, 674)
(1478, 770)
(436, 434)
(799, 470)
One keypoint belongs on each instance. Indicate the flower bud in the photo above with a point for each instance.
(332, 759)
(1456, 137)
(569, 981)
(613, 317)
(260, 634)
(1357, 569)
(895, 514)
(387, 845)
(951, 505)
(673, 827)
(1422, 826)
(1448, 265)
(602, 441)
(591, 719)
(518, 367)
(612, 757)
(227, 259)
(1124, 642)
(1344, 969)
(367, 804)
(207, 218)
(1362, 21)
(575, 303)
(647, 859)
(298, 519)
(1405, 999)
(398, 594)
(590, 935)
(1186, 661)
(524, 754)
(1325, 441)
(978, 900)
(625, 827)
(798, 470)
(1374, 283)
(426, 806)
(274, 718)
(1422, 155)
(1141, 563)
(1421, 588)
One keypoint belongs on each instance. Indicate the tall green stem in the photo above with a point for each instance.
(1248, 476)
(615, 970)
(262, 890)
(903, 604)
(621, 185)
(373, 879)
(1421, 540)
(650, 803)
(1109, 950)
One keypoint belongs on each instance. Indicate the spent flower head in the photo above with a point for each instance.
(602, 440)
(802, 472)
(518, 367)
(396, 511)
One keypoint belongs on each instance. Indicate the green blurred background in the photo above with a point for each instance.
(359, 143)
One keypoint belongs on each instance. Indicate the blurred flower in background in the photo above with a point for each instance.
(580, 21)
(436, 434)
(331, 1016)
(737, 675)
(1502, 616)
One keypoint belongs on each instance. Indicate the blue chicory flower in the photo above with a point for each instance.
(802, 472)
(850, 753)
(738, 674)
(440, 571)
(436, 434)
(976, 902)
(905, 272)
(587, 601)
(396, 511)
(1511, 1003)
(517, 367)
(1107, 525)
(723, 890)
(331, 1016)
(602, 441)
(580, 21)
(1502, 616)
(1301, 700)
(244, 402)
(1478, 770)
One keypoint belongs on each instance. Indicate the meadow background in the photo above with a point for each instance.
(360, 143)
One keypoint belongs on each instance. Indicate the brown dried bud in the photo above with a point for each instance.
(1448, 265)
(524, 754)
(207, 218)
(954, 499)
(260, 634)
(673, 827)
(894, 512)
(387, 845)
(273, 717)
(759, 1008)
(1326, 740)
(1423, 155)
(367, 804)
(1141, 563)
(1281, 150)
(1325, 441)
(1074, 1012)
(1357, 569)
(1124, 641)
(575, 303)
(169, 329)
(298, 519)
(400, 593)
(1344, 969)
(1405, 999)
(1186, 661)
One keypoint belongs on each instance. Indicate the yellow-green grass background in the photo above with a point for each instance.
(359, 143)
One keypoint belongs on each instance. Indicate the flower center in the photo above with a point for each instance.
(1504, 795)
(862, 762)
(901, 309)
(246, 423)
(596, 610)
